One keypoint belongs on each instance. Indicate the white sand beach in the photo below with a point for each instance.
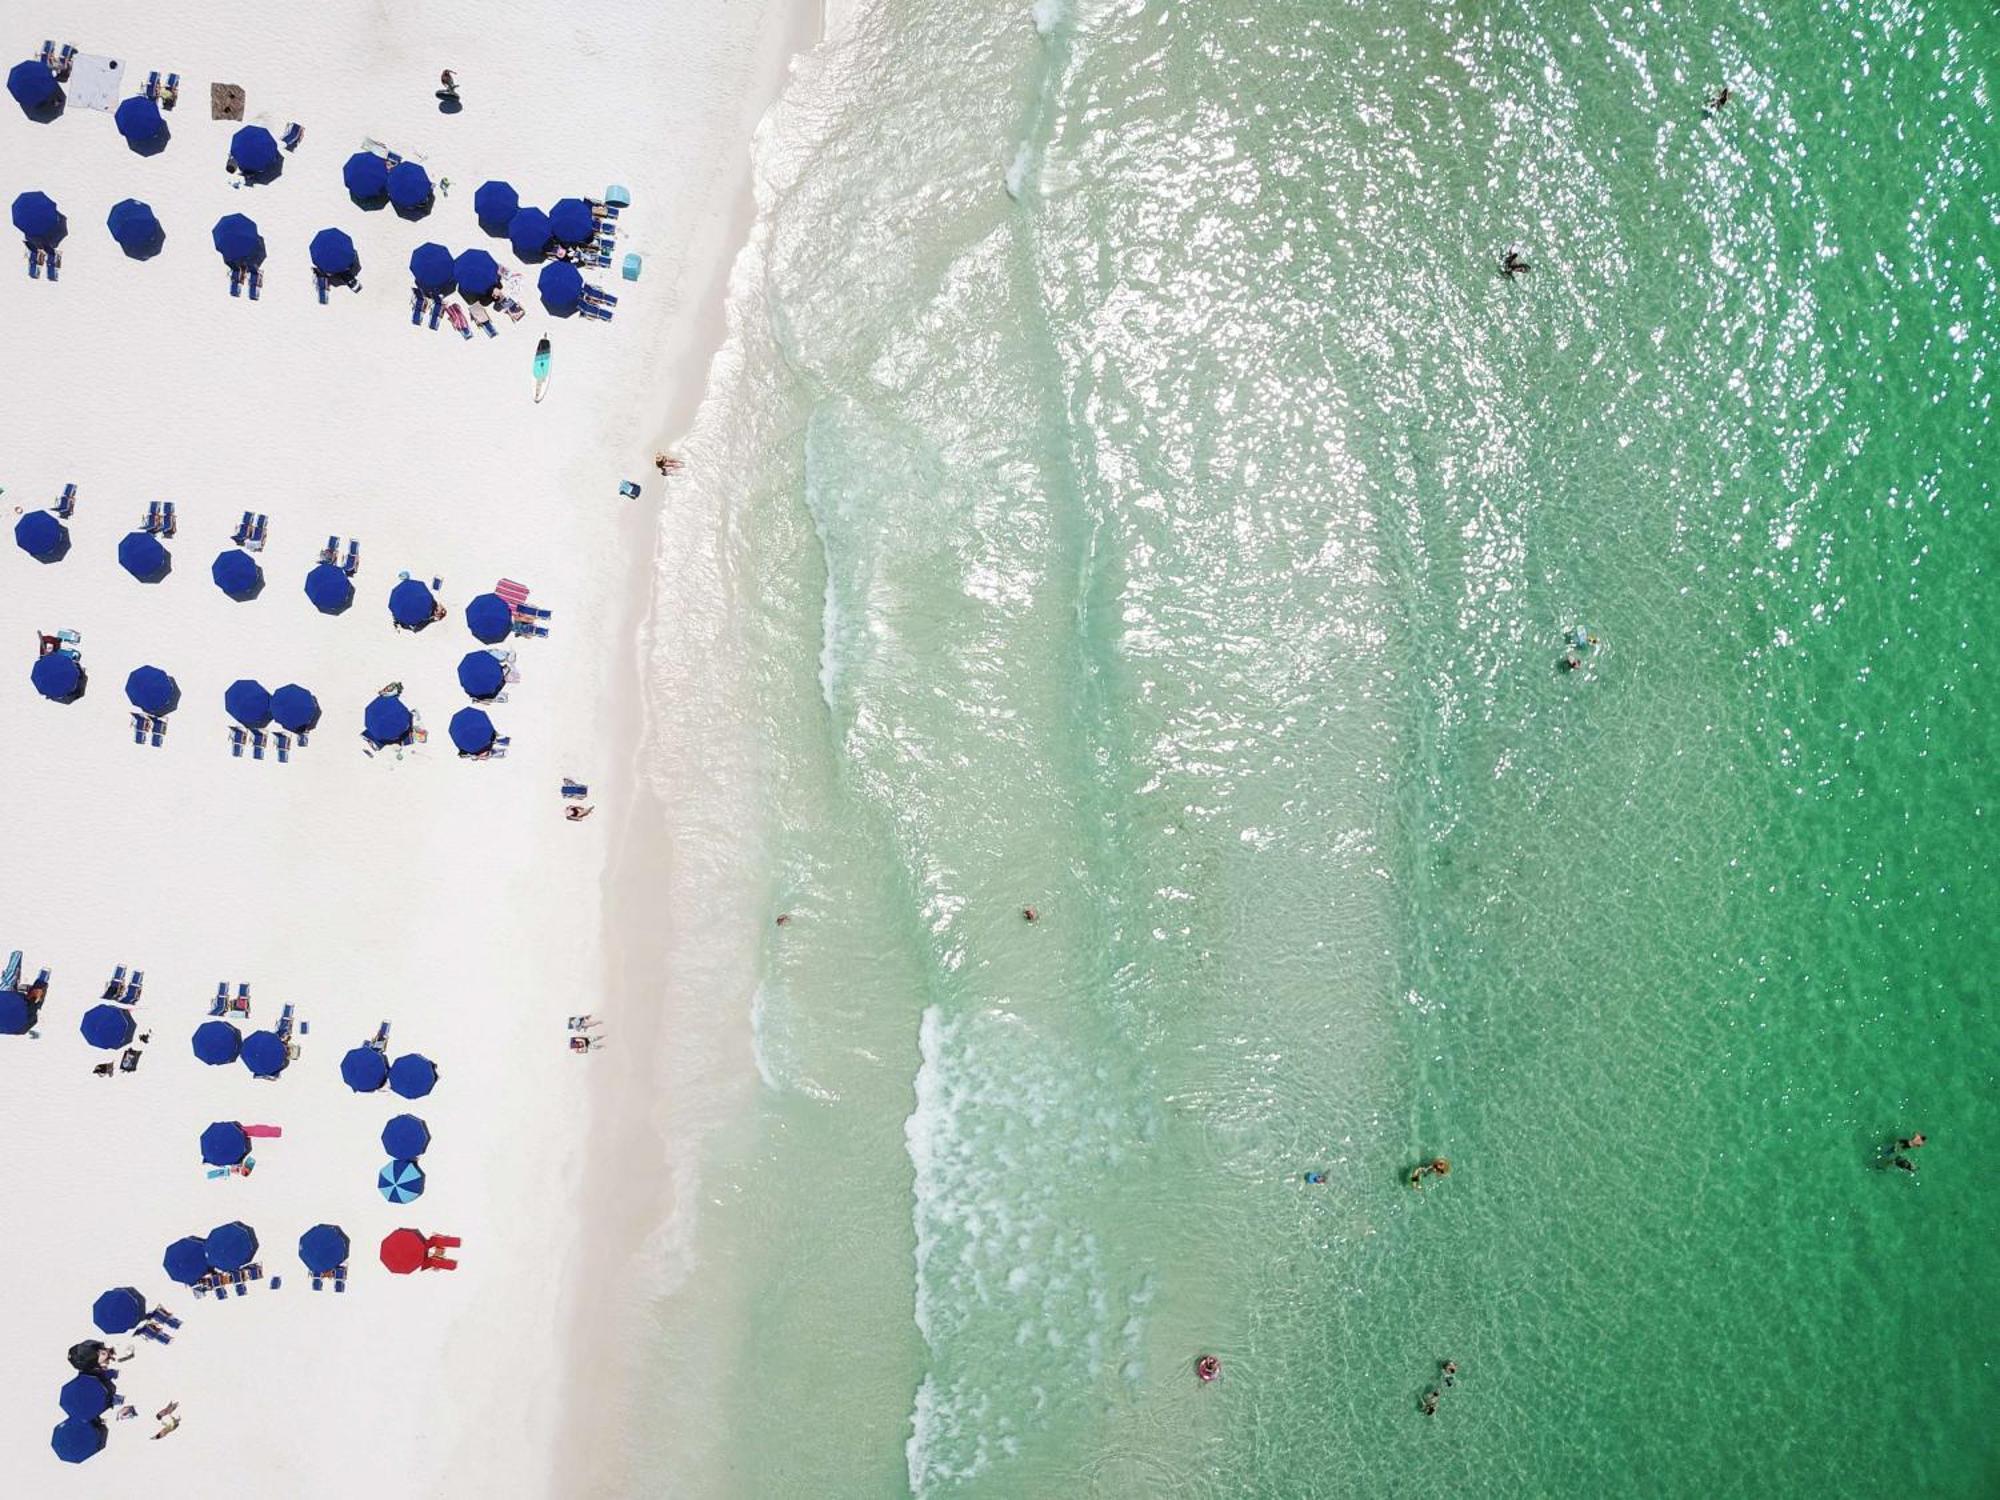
(448, 897)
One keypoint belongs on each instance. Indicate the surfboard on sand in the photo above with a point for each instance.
(541, 369)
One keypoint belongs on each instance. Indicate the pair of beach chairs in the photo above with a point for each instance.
(160, 519)
(242, 278)
(330, 554)
(249, 534)
(225, 1004)
(338, 1276)
(256, 740)
(149, 729)
(40, 260)
(165, 94)
(58, 63)
(418, 303)
(122, 990)
(220, 1284)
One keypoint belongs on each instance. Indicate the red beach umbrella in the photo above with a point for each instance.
(403, 1251)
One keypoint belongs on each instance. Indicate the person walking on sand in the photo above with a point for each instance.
(585, 1043)
(167, 1426)
(583, 1023)
(578, 814)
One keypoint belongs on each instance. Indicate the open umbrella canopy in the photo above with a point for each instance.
(403, 1250)
(476, 272)
(231, 1246)
(38, 218)
(388, 721)
(411, 604)
(217, 1042)
(401, 1181)
(330, 590)
(223, 1144)
(57, 676)
(364, 1069)
(472, 732)
(152, 691)
(84, 1395)
(431, 269)
(236, 573)
(529, 233)
(409, 186)
(572, 221)
(333, 253)
(237, 241)
(413, 1075)
(135, 227)
(255, 151)
(561, 286)
(17, 1013)
(490, 618)
(118, 1310)
(366, 176)
(481, 675)
(139, 120)
(186, 1260)
(141, 555)
(247, 702)
(264, 1054)
(406, 1137)
(107, 1027)
(33, 84)
(324, 1248)
(42, 535)
(495, 204)
(76, 1440)
(295, 708)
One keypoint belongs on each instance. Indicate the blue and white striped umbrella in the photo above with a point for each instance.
(401, 1181)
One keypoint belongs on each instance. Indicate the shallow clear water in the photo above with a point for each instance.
(1138, 496)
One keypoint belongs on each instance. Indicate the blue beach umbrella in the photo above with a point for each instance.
(75, 1441)
(118, 1310)
(223, 1144)
(366, 176)
(84, 1396)
(237, 241)
(529, 233)
(57, 676)
(409, 187)
(139, 120)
(333, 254)
(495, 204)
(135, 227)
(255, 152)
(364, 1069)
(406, 1137)
(490, 618)
(152, 691)
(412, 604)
(572, 222)
(141, 555)
(38, 218)
(231, 1246)
(42, 535)
(324, 1248)
(217, 1042)
(401, 1181)
(236, 573)
(295, 708)
(431, 269)
(107, 1027)
(186, 1260)
(412, 1075)
(481, 675)
(477, 273)
(561, 286)
(33, 85)
(330, 590)
(17, 1013)
(472, 732)
(387, 721)
(264, 1054)
(247, 703)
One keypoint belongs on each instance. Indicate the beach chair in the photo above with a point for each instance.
(155, 518)
(138, 729)
(437, 312)
(219, 1006)
(319, 284)
(34, 264)
(237, 740)
(294, 133)
(114, 987)
(152, 88)
(380, 1041)
(168, 523)
(256, 744)
(457, 316)
(11, 978)
(514, 311)
(242, 533)
(285, 1023)
(528, 629)
(63, 61)
(47, 54)
(255, 281)
(159, 734)
(66, 502)
(129, 1061)
(330, 553)
(353, 563)
(241, 1288)
(170, 91)
(340, 1279)
(134, 986)
(283, 742)
(483, 318)
(157, 1335)
(235, 281)
(416, 307)
(257, 533)
(243, 997)
(574, 788)
(598, 294)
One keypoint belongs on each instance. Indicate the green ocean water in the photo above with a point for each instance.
(1139, 497)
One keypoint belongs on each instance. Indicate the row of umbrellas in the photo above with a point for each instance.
(371, 180)
(389, 721)
(367, 1069)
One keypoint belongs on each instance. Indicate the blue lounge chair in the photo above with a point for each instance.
(255, 282)
(283, 742)
(353, 563)
(155, 518)
(294, 133)
(47, 54)
(66, 502)
(437, 311)
(319, 284)
(167, 522)
(159, 734)
(170, 91)
(64, 59)
(235, 281)
(242, 532)
(340, 1279)
(243, 994)
(157, 1335)
(416, 307)
(242, 1288)
(598, 294)
(219, 1006)
(285, 1023)
(138, 983)
(152, 88)
(237, 740)
(114, 987)
(258, 532)
(330, 554)
(34, 264)
(256, 744)
(138, 729)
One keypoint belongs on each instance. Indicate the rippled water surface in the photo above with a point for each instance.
(1136, 495)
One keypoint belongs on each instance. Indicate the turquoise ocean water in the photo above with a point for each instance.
(1137, 495)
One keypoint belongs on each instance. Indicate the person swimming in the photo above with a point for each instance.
(1429, 1405)
(1317, 1179)
(1511, 265)
(1207, 1368)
